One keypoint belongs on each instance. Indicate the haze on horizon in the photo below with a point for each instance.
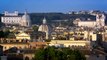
(52, 5)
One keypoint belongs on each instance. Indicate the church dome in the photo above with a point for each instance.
(44, 28)
(26, 17)
(26, 20)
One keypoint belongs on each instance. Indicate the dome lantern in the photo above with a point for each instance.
(44, 20)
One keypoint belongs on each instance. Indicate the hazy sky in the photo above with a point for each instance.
(52, 5)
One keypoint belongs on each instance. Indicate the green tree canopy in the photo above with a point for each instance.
(51, 53)
(35, 28)
(4, 34)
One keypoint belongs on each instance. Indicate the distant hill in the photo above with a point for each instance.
(106, 19)
(0, 16)
(37, 17)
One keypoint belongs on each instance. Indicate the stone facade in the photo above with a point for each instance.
(16, 19)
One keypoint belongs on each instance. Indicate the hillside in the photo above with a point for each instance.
(37, 17)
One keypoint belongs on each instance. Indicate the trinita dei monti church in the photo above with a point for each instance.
(16, 19)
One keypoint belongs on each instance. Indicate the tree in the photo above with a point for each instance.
(4, 34)
(52, 53)
(47, 40)
(1, 34)
(45, 54)
(35, 28)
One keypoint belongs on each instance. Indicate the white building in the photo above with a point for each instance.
(15, 19)
(68, 43)
(100, 22)
(87, 23)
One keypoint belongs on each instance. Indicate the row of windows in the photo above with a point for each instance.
(11, 21)
(11, 18)
(19, 47)
(14, 41)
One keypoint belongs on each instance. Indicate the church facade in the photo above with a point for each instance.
(44, 28)
(16, 19)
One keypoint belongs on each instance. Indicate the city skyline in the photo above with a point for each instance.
(52, 5)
